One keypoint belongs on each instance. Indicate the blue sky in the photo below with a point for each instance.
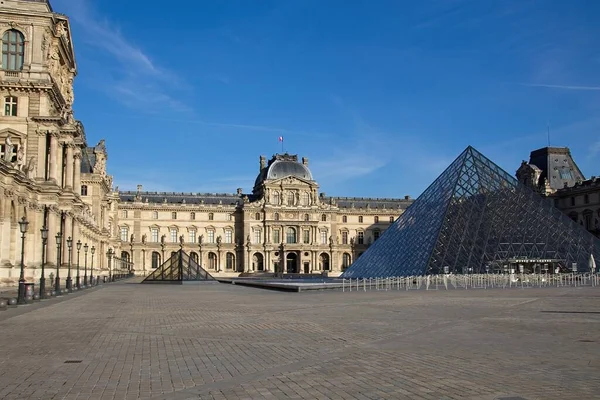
(380, 95)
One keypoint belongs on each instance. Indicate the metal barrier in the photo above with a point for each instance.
(474, 281)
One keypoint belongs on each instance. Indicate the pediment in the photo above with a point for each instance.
(290, 181)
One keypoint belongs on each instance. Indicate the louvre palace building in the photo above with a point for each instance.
(54, 177)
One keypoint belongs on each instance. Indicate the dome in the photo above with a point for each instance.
(284, 165)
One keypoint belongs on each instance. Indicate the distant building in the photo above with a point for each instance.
(285, 224)
(552, 172)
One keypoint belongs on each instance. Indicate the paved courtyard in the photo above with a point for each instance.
(129, 341)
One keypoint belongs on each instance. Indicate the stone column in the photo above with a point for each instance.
(68, 183)
(54, 157)
(77, 172)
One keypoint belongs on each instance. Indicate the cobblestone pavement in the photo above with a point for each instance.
(216, 341)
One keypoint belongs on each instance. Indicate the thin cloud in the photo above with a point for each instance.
(565, 87)
(143, 83)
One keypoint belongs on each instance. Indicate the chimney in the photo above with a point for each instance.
(239, 191)
(139, 188)
(263, 163)
(407, 197)
(305, 161)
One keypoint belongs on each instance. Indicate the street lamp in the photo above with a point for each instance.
(57, 279)
(69, 279)
(23, 225)
(92, 250)
(85, 250)
(77, 278)
(109, 254)
(44, 232)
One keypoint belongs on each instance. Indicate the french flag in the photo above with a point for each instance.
(281, 138)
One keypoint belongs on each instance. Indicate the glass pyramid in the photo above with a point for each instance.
(476, 218)
(177, 269)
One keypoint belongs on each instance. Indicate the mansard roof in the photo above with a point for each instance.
(368, 202)
(180, 198)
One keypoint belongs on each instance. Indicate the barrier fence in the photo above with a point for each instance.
(474, 281)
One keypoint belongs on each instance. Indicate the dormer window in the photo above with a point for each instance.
(13, 50)
(10, 106)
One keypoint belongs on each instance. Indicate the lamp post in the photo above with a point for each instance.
(92, 250)
(44, 232)
(57, 279)
(23, 225)
(69, 279)
(77, 279)
(109, 255)
(85, 251)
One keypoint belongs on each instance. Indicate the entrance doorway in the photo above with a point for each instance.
(324, 261)
(306, 267)
(292, 263)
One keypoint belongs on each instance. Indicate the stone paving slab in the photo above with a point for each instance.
(130, 341)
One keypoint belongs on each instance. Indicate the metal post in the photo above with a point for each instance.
(57, 279)
(92, 250)
(77, 279)
(109, 255)
(44, 232)
(23, 224)
(85, 251)
(69, 279)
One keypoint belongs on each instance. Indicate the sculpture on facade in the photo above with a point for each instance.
(20, 158)
(144, 237)
(30, 168)
(8, 149)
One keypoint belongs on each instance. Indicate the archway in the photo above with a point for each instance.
(258, 262)
(212, 261)
(155, 259)
(324, 261)
(292, 263)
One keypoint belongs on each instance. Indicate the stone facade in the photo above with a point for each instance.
(42, 146)
(552, 172)
(285, 225)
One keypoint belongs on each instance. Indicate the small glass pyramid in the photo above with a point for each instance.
(178, 268)
(476, 218)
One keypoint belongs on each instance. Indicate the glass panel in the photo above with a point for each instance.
(473, 216)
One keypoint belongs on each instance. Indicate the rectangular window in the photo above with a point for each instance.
(344, 237)
(361, 237)
(586, 198)
(276, 237)
(192, 236)
(228, 236)
(124, 214)
(376, 219)
(376, 235)
(323, 237)
(124, 234)
(10, 106)
(588, 221)
(193, 216)
(154, 214)
(572, 201)
(155, 235)
(257, 236)
(173, 235)
(306, 236)
(173, 215)
(211, 236)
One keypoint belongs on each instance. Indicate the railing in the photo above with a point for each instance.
(475, 281)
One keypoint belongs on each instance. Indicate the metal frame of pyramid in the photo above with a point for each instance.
(476, 218)
(179, 268)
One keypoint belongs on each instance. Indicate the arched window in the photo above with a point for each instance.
(155, 259)
(276, 216)
(84, 190)
(344, 219)
(257, 216)
(346, 261)
(125, 256)
(192, 215)
(305, 199)
(291, 235)
(229, 261)
(194, 256)
(276, 198)
(323, 217)
(13, 50)
(306, 217)
(212, 261)
(291, 198)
